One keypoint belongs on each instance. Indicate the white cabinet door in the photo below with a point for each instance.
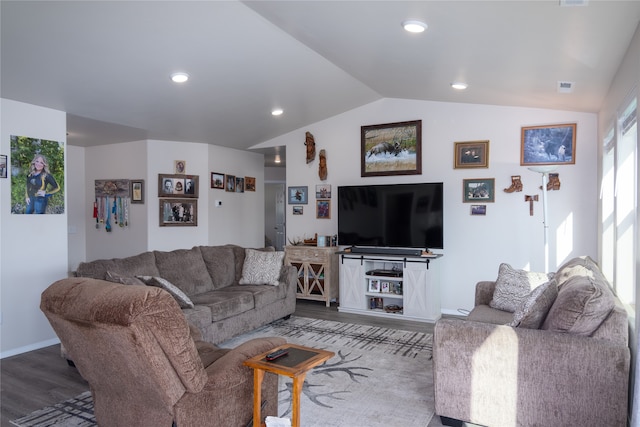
(352, 284)
(421, 291)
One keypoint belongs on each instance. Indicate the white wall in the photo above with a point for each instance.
(240, 219)
(160, 160)
(116, 161)
(474, 246)
(33, 248)
(79, 212)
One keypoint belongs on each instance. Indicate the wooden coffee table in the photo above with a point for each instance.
(294, 365)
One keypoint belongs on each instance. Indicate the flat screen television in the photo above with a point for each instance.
(393, 216)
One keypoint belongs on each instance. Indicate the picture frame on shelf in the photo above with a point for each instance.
(298, 195)
(478, 209)
(385, 287)
(249, 183)
(230, 183)
(177, 185)
(478, 190)
(217, 180)
(471, 154)
(374, 285)
(323, 191)
(396, 288)
(323, 209)
(137, 191)
(391, 149)
(178, 212)
(548, 145)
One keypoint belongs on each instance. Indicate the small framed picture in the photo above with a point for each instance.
(3, 166)
(472, 154)
(249, 183)
(385, 287)
(297, 210)
(478, 209)
(178, 212)
(548, 145)
(217, 180)
(230, 183)
(323, 209)
(323, 191)
(374, 285)
(298, 195)
(239, 184)
(478, 190)
(137, 191)
(179, 166)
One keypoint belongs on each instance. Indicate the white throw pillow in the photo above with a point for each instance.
(261, 268)
(513, 286)
(183, 300)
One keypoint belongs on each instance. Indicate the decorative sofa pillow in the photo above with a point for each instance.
(261, 268)
(581, 306)
(114, 277)
(513, 286)
(183, 300)
(534, 308)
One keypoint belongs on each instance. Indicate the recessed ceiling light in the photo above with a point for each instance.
(414, 26)
(179, 77)
(459, 85)
(277, 112)
(277, 158)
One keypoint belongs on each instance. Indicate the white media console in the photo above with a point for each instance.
(390, 285)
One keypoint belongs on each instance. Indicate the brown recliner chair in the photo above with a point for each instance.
(145, 365)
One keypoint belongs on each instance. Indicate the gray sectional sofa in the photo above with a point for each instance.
(561, 358)
(210, 276)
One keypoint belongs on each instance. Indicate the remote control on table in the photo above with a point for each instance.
(277, 354)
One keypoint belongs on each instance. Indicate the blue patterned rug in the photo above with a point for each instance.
(378, 377)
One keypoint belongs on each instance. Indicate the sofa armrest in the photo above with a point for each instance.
(228, 371)
(499, 375)
(484, 292)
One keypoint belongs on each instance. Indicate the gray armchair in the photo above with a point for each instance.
(145, 365)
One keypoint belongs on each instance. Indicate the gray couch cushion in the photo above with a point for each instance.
(143, 264)
(513, 286)
(262, 294)
(583, 303)
(224, 304)
(533, 310)
(125, 280)
(220, 262)
(579, 266)
(485, 314)
(186, 269)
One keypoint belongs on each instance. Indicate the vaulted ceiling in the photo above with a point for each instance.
(107, 63)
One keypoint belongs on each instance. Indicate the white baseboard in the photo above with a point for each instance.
(30, 347)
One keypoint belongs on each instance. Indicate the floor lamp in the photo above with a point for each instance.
(545, 170)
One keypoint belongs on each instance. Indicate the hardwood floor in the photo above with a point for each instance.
(40, 378)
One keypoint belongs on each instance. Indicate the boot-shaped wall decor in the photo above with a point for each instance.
(516, 184)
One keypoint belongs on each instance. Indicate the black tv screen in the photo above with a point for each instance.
(396, 216)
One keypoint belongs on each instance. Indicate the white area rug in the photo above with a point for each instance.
(378, 377)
